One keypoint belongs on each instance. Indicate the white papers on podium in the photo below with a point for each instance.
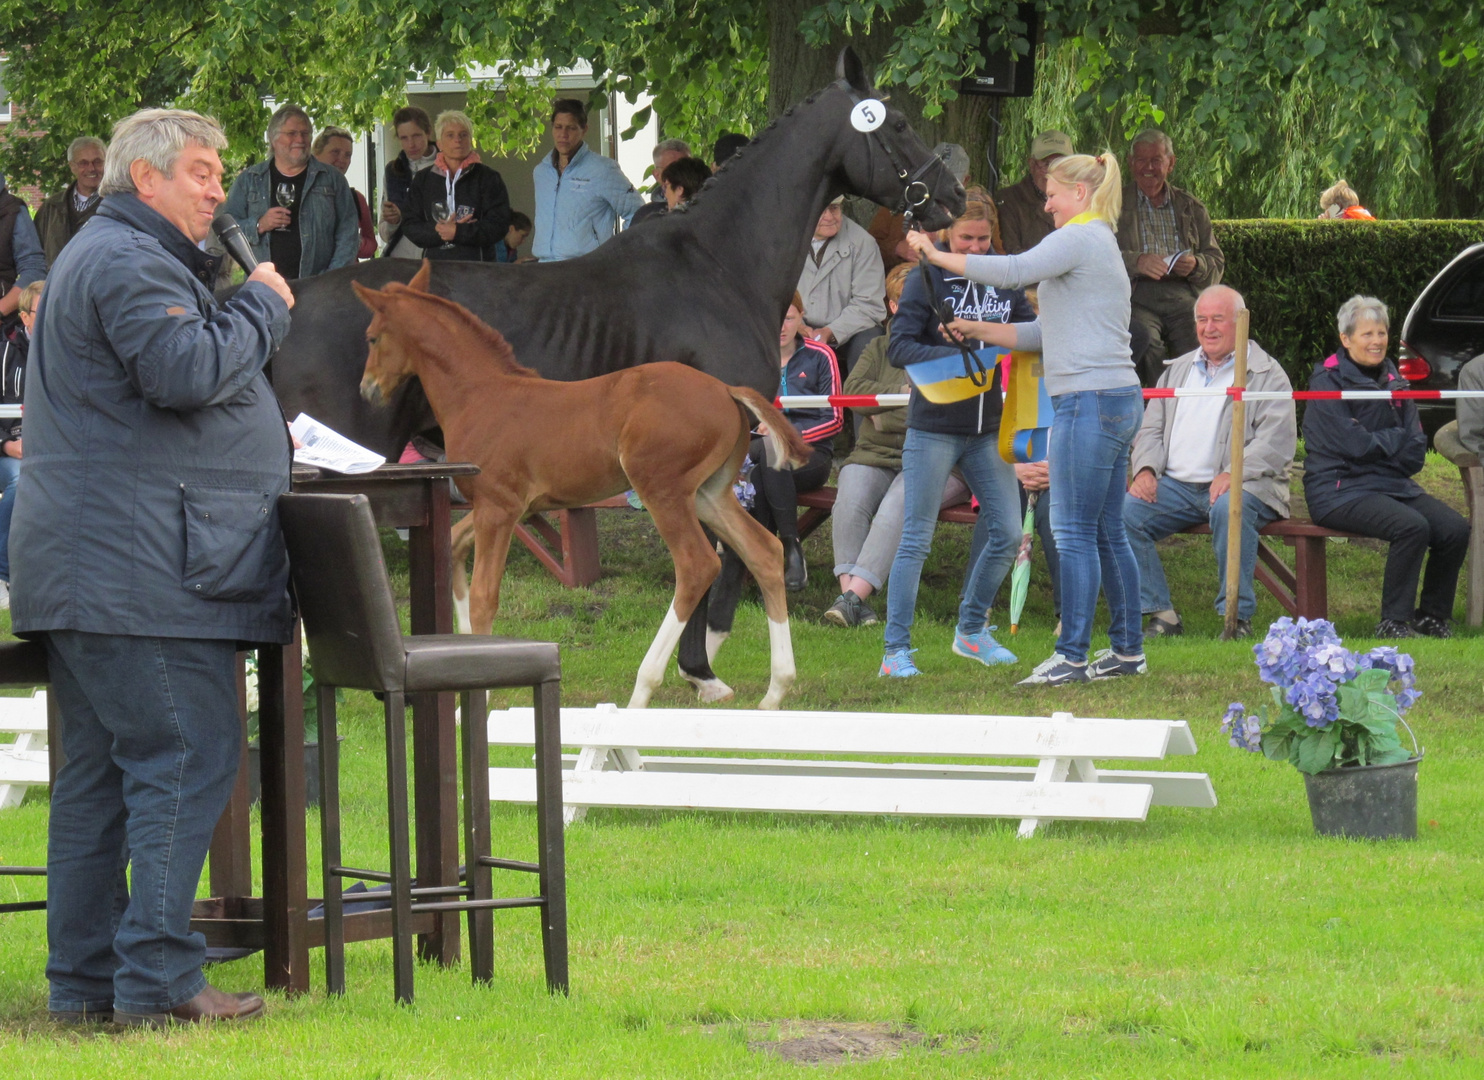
(328, 449)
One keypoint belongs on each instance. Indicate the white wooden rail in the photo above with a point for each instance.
(23, 762)
(609, 770)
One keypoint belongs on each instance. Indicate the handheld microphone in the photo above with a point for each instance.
(230, 234)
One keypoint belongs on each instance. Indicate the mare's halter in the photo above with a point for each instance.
(915, 195)
(915, 192)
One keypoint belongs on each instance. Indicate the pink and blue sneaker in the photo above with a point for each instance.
(983, 647)
(898, 665)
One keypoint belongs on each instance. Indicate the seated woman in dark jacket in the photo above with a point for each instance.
(805, 367)
(1358, 477)
(458, 209)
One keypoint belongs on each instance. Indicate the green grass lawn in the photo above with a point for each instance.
(1202, 943)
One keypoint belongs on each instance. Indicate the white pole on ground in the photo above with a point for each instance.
(1234, 495)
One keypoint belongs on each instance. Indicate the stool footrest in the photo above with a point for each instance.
(443, 890)
(24, 905)
(478, 905)
(362, 875)
(509, 864)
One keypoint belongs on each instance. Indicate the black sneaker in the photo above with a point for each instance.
(1432, 626)
(1395, 628)
(1107, 666)
(850, 610)
(1157, 627)
(1244, 629)
(1055, 670)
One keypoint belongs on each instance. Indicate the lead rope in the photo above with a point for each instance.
(974, 369)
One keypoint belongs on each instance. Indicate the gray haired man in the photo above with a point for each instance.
(145, 546)
(666, 153)
(70, 209)
(1168, 248)
(296, 211)
(1181, 461)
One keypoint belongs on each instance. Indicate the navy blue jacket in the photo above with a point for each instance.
(915, 337)
(155, 449)
(1358, 448)
(811, 370)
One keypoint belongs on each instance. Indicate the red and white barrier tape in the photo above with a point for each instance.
(820, 401)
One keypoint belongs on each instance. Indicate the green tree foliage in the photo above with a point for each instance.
(1269, 100)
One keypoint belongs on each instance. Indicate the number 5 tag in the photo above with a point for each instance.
(868, 115)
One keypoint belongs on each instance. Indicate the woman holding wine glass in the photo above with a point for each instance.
(458, 209)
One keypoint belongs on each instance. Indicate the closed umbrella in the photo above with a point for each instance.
(1020, 574)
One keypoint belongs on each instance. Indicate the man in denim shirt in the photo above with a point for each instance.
(319, 228)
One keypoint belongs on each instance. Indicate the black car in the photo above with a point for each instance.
(1443, 331)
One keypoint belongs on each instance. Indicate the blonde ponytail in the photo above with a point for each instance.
(1100, 174)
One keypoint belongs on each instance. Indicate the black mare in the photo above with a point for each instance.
(707, 286)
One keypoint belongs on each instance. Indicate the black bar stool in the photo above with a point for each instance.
(23, 663)
(351, 628)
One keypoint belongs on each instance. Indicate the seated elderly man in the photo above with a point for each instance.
(1181, 461)
(1165, 236)
(843, 286)
(1471, 410)
(1024, 222)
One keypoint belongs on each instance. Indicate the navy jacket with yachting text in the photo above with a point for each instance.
(155, 449)
(1359, 448)
(915, 337)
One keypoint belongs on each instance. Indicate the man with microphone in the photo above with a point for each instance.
(146, 545)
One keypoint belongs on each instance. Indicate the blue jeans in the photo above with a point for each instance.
(1177, 506)
(1088, 451)
(152, 739)
(927, 459)
(10, 476)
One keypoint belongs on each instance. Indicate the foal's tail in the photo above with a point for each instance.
(784, 441)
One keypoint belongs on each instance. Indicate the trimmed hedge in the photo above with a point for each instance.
(1295, 275)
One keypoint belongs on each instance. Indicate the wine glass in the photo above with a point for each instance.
(443, 214)
(285, 195)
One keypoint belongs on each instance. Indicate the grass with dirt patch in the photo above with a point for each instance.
(1229, 942)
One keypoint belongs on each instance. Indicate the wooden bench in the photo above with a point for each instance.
(1301, 591)
(1065, 784)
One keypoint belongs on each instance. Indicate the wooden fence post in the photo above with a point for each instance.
(1234, 499)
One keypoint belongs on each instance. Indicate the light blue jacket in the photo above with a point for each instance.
(329, 222)
(577, 208)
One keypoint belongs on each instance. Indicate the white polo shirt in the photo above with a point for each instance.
(1192, 441)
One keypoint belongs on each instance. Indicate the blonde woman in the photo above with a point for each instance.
(458, 209)
(1082, 334)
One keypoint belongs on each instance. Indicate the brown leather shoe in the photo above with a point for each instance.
(209, 1004)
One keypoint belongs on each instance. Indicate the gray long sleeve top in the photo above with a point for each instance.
(1084, 299)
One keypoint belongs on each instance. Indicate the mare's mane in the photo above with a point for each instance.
(737, 154)
(464, 320)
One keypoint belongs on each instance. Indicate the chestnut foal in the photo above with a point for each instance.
(676, 435)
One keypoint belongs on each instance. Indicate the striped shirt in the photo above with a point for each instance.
(1158, 232)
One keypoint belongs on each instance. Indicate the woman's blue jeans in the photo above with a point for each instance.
(152, 739)
(927, 459)
(1088, 452)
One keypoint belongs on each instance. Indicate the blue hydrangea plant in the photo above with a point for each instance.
(1331, 707)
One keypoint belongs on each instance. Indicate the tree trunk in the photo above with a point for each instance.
(795, 71)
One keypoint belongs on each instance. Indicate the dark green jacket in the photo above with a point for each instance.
(883, 429)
